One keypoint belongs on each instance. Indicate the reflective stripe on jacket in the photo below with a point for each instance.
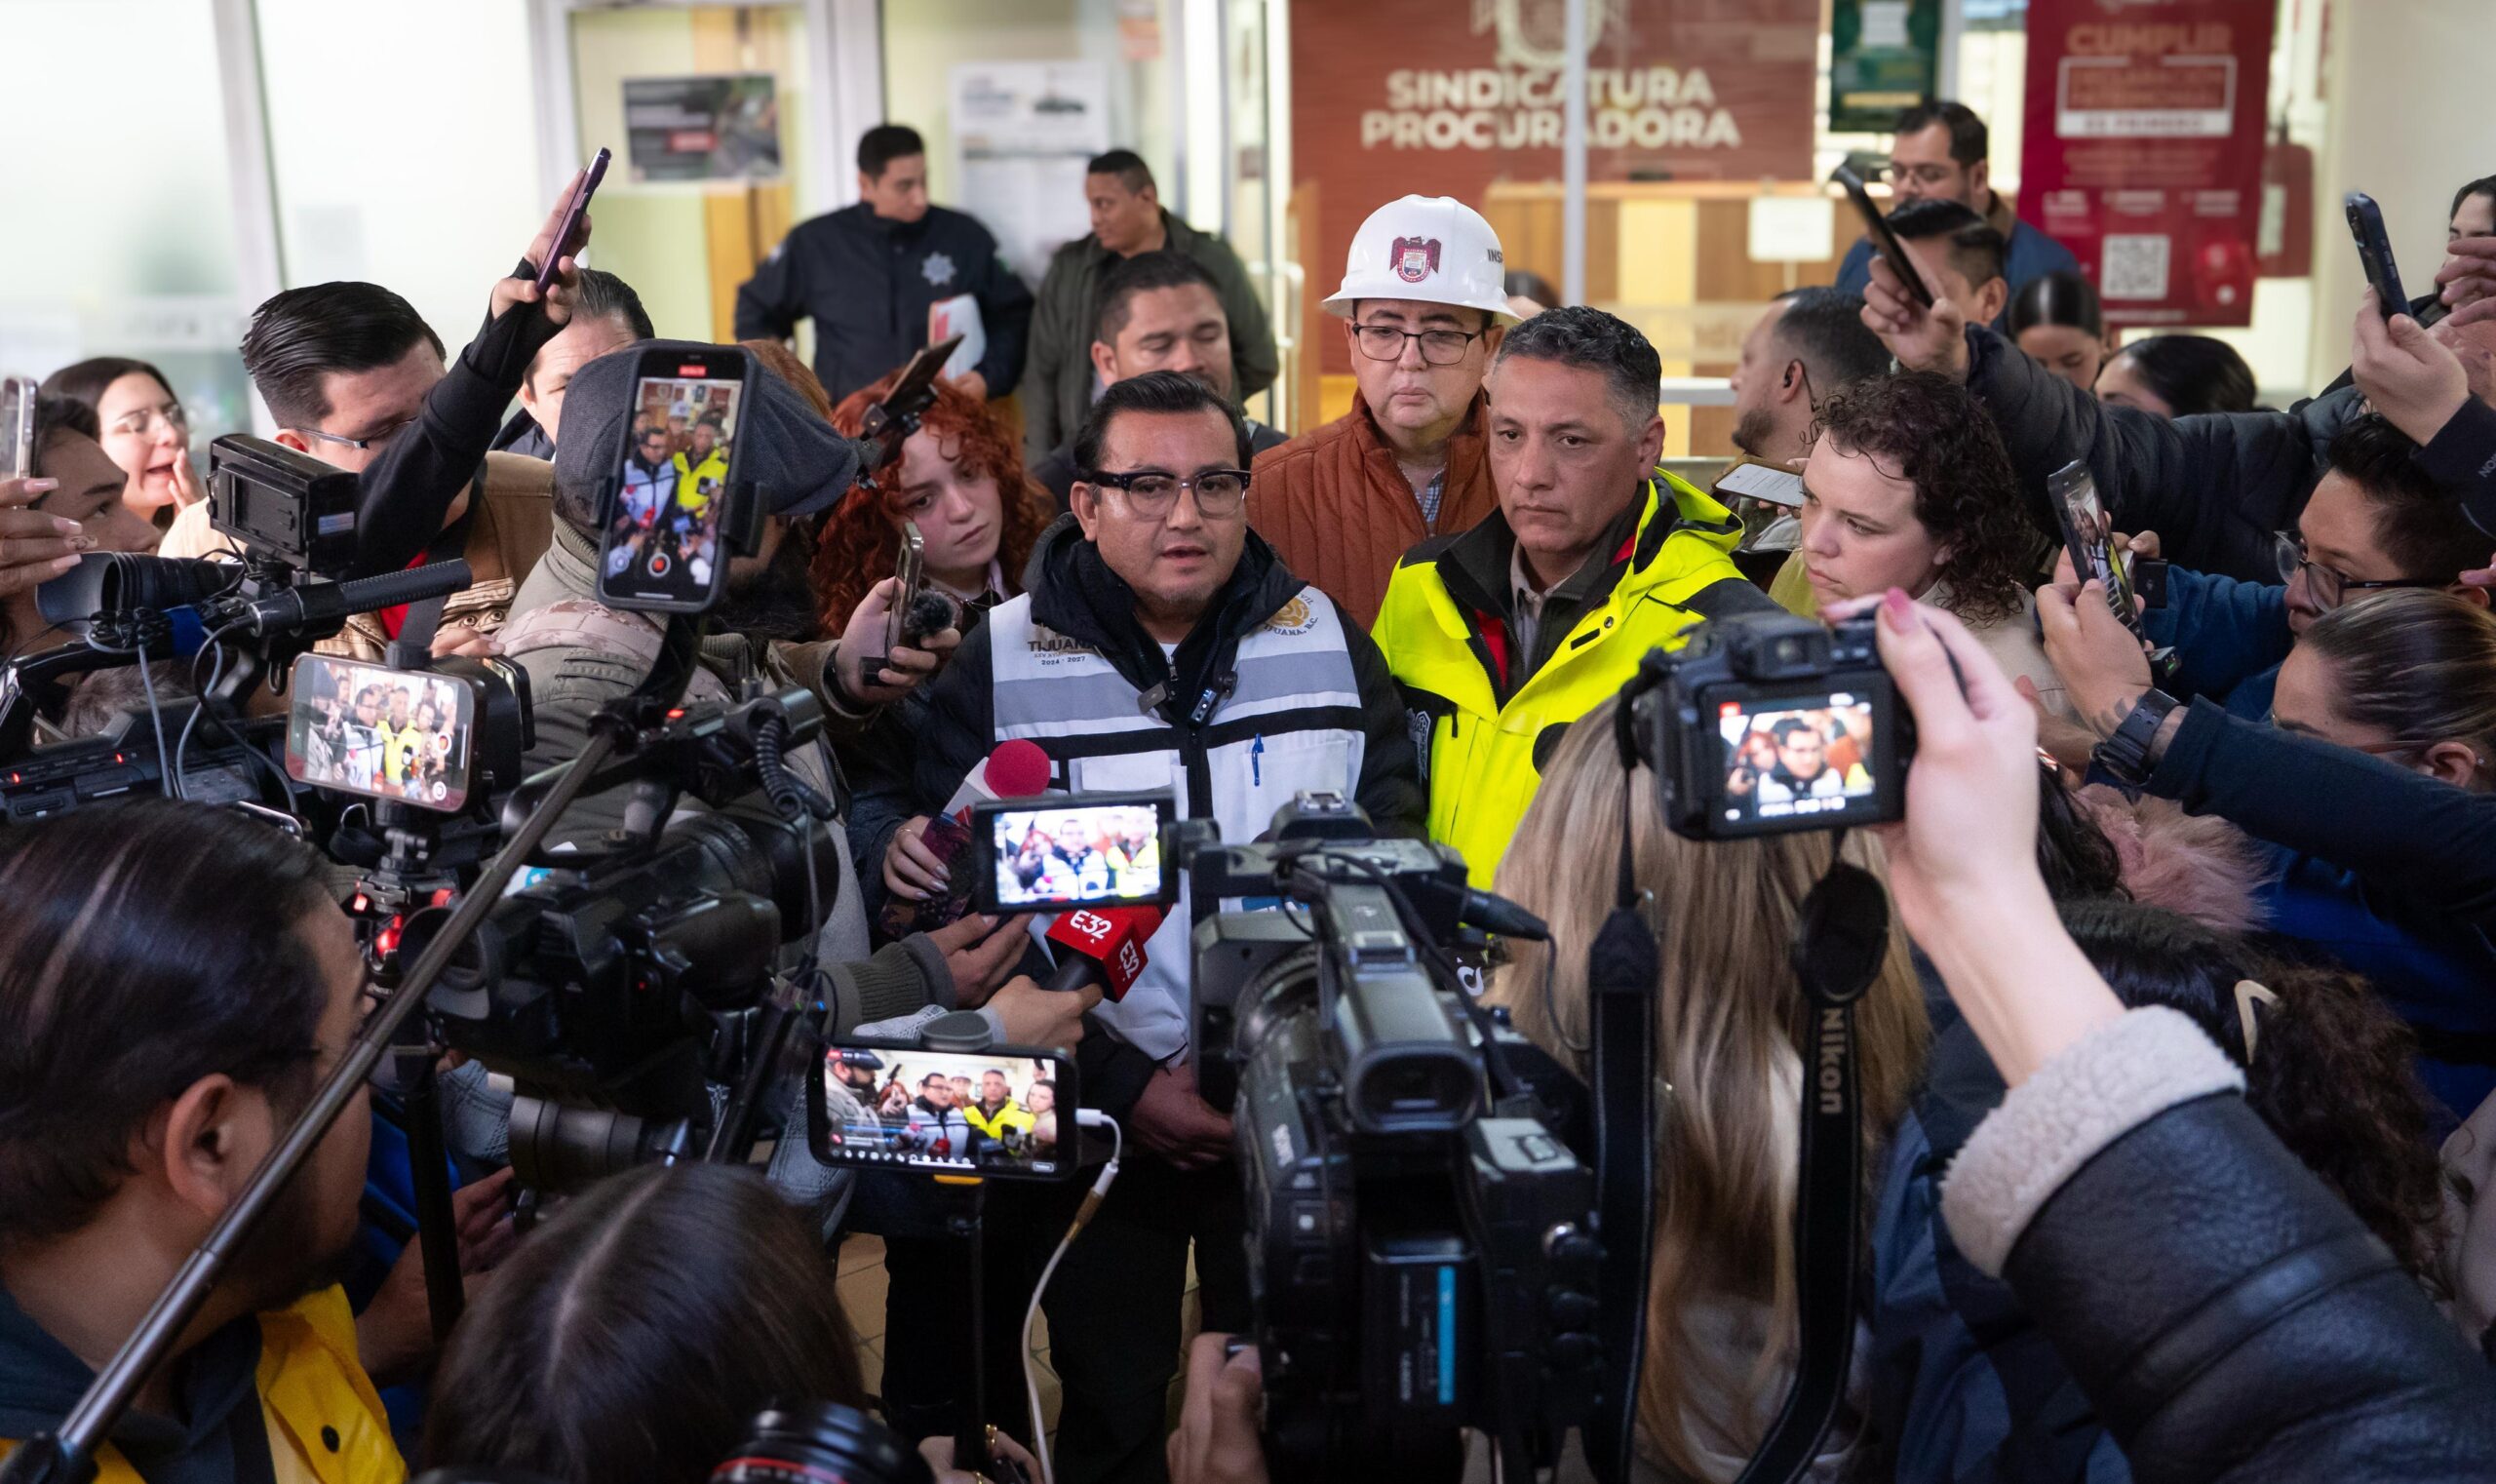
(1290, 720)
(1482, 757)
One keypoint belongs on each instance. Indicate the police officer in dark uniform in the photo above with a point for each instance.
(868, 273)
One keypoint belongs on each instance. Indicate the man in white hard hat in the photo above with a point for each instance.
(1424, 307)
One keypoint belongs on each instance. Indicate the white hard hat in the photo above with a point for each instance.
(1433, 249)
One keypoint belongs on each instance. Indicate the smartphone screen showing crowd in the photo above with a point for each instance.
(1768, 725)
(663, 546)
(17, 426)
(895, 1106)
(2088, 533)
(395, 734)
(1097, 852)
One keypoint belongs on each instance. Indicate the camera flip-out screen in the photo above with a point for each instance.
(991, 1114)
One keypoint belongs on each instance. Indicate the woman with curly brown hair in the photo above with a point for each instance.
(961, 483)
(1908, 487)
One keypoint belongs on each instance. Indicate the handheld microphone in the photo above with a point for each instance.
(1102, 945)
(1016, 769)
(1497, 914)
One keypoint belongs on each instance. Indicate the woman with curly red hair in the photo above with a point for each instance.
(962, 481)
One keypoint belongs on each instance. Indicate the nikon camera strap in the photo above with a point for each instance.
(1838, 944)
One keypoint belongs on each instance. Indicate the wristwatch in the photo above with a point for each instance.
(2124, 756)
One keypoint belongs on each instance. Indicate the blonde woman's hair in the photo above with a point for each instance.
(1730, 1021)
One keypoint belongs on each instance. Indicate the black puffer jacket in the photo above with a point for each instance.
(2215, 486)
(2226, 1315)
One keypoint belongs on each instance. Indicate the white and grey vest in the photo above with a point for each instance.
(1290, 721)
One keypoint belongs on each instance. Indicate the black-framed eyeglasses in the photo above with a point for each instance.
(375, 441)
(2328, 586)
(1153, 492)
(1439, 347)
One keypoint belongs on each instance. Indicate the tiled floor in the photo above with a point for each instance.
(861, 1296)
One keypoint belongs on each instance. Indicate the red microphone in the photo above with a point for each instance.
(1017, 770)
(1102, 945)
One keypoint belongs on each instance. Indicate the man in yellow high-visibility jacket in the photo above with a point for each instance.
(1504, 635)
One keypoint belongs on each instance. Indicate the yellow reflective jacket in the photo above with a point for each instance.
(1485, 718)
(326, 1425)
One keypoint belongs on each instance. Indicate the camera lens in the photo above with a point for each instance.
(801, 1442)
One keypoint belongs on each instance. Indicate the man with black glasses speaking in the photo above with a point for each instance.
(1164, 648)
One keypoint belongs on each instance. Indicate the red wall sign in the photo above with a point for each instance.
(2144, 149)
(1441, 97)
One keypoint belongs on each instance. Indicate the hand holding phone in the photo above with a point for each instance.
(568, 237)
(2374, 252)
(1884, 241)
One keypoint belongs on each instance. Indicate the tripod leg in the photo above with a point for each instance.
(437, 1225)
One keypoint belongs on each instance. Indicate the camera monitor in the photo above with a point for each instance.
(395, 734)
(665, 546)
(1005, 1114)
(1809, 762)
(1043, 855)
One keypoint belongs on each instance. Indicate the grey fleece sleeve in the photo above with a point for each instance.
(898, 979)
(2099, 1089)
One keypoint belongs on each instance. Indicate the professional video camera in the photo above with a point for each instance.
(1420, 1246)
(293, 519)
(790, 1440)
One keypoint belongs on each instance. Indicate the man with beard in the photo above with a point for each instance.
(1803, 770)
(165, 1031)
(1811, 343)
(1159, 311)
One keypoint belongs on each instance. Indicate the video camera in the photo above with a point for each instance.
(1418, 1223)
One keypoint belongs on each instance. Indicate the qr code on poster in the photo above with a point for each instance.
(2135, 268)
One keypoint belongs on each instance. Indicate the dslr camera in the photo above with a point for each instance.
(1766, 723)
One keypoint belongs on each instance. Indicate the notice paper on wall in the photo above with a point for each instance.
(1025, 130)
(958, 316)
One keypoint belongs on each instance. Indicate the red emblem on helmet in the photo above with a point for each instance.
(1414, 258)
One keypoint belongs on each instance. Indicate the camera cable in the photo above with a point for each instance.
(1084, 1117)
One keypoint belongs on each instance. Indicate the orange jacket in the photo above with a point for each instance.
(1335, 507)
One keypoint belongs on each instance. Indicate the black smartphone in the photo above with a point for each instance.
(893, 419)
(2374, 251)
(572, 218)
(395, 734)
(2089, 534)
(1884, 241)
(1004, 1114)
(662, 546)
(1076, 850)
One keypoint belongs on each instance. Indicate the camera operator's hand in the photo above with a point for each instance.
(2411, 377)
(1175, 1123)
(461, 640)
(939, 1454)
(34, 547)
(1039, 1016)
(2100, 662)
(567, 288)
(1933, 340)
(394, 1335)
(981, 951)
(904, 668)
(1217, 1442)
(1962, 863)
(911, 869)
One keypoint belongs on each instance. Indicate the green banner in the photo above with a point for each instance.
(1883, 57)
